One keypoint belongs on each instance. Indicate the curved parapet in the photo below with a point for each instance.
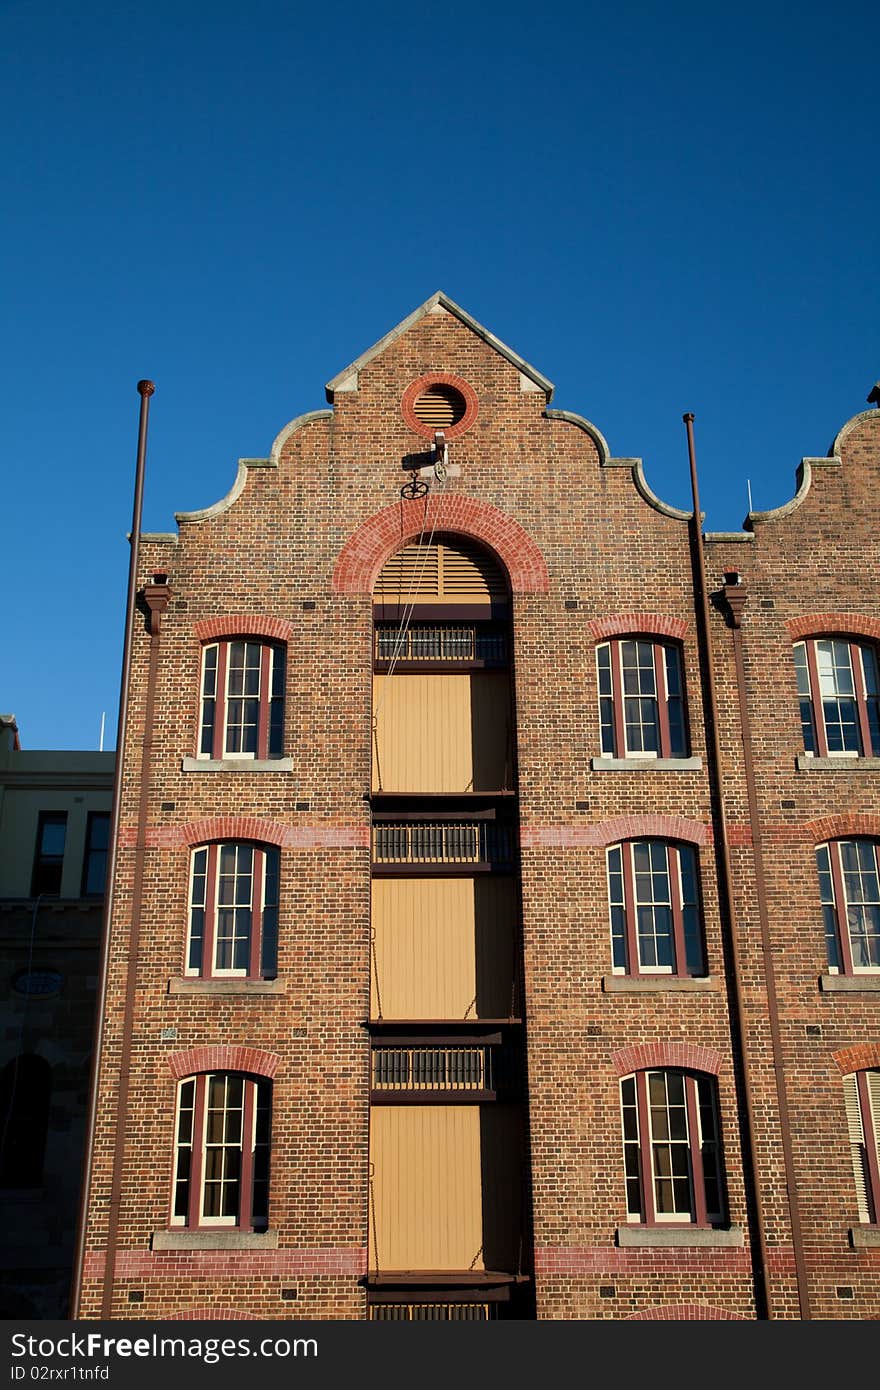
(244, 466)
(291, 428)
(607, 461)
(205, 513)
(845, 430)
(804, 480)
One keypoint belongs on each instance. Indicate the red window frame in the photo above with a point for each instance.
(676, 872)
(837, 906)
(215, 699)
(639, 1138)
(866, 704)
(617, 696)
(205, 892)
(192, 1147)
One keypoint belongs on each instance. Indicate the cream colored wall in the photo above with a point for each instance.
(32, 781)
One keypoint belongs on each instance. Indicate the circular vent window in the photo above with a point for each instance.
(439, 402)
(440, 406)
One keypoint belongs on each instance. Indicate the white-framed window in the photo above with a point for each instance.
(233, 911)
(654, 904)
(861, 1092)
(641, 699)
(221, 1158)
(849, 887)
(839, 694)
(672, 1149)
(242, 700)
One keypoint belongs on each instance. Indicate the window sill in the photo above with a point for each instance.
(849, 984)
(194, 986)
(214, 1240)
(805, 764)
(667, 1236)
(237, 765)
(860, 1237)
(646, 764)
(657, 984)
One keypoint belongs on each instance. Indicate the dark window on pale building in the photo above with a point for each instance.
(49, 856)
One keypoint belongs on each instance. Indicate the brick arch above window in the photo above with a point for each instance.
(222, 1057)
(243, 625)
(861, 1057)
(367, 549)
(651, 827)
(200, 832)
(214, 1315)
(649, 1056)
(826, 624)
(628, 624)
(685, 1312)
(843, 827)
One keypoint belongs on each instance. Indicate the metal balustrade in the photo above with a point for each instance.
(432, 1069)
(432, 1312)
(414, 842)
(422, 642)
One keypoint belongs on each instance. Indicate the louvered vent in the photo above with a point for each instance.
(454, 572)
(857, 1146)
(440, 406)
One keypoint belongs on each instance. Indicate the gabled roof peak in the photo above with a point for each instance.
(347, 379)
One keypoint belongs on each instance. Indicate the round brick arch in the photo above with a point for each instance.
(365, 552)
(222, 1057)
(215, 1315)
(833, 625)
(645, 1056)
(685, 1312)
(862, 1057)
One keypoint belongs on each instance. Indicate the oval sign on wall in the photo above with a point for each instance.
(37, 982)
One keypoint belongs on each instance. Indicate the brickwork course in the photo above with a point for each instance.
(590, 555)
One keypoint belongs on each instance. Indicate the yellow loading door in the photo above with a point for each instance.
(443, 947)
(442, 732)
(426, 1212)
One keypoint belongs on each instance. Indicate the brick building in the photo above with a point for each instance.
(54, 819)
(461, 964)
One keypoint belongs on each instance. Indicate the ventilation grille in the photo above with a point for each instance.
(440, 406)
(456, 573)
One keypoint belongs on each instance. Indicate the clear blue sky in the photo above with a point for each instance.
(661, 207)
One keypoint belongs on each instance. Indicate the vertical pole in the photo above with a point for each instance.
(145, 390)
(759, 1257)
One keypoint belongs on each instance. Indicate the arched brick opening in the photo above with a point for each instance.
(608, 832)
(685, 1312)
(690, 1056)
(199, 832)
(222, 1057)
(215, 1315)
(627, 624)
(862, 1057)
(833, 624)
(243, 625)
(366, 551)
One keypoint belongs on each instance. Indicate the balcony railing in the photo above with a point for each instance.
(462, 642)
(432, 1312)
(413, 842)
(432, 1069)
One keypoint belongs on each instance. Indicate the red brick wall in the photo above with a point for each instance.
(316, 528)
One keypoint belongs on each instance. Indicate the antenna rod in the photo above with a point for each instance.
(101, 735)
(145, 390)
(725, 883)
